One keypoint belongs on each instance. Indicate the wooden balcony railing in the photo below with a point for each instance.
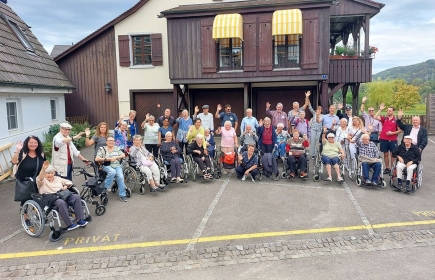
(350, 70)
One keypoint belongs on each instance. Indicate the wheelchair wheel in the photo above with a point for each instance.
(131, 178)
(184, 171)
(352, 169)
(283, 175)
(141, 190)
(55, 235)
(35, 222)
(358, 181)
(100, 210)
(104, 199)
(383, 184)
(316, 178)
(193, 174)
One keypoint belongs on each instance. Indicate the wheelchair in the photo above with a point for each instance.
(285, 167)
(165, 168)
(319, 166)
(93, 187)
(195, 172)
(219, 162)
(351, 164)
(360, 176)
(133, 177)
(416, 180)
(38, 218)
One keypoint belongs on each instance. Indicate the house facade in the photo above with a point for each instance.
(276, 50)
(32, 87)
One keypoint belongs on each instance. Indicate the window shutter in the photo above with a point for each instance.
(265, 44)
(250, 43)
(208, 47)
(310, 44)
(156, 49)
(124, 50)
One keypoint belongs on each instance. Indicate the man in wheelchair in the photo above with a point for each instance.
(295, 148)
(368, 156)
(408, 156)
(51, 186)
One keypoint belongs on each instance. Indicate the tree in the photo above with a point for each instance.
(405, 96)
(378, 92)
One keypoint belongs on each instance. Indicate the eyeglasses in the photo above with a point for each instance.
(371, 110)
(66, 128)
(110, 140)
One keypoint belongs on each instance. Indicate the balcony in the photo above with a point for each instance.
(350, 70)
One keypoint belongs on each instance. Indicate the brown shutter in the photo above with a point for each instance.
(265, 43)
(208, 47)
(250, 43)
(156, 49)
(310, 44)
(124, 50)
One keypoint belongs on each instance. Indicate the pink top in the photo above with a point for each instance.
(227, 140)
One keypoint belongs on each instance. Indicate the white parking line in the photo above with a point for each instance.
(358, 209)
(431, 140)
(3, 240)
(204, 221)
(322, 187)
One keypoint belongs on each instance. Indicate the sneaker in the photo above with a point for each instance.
(123, 198)
(181, 180)
(399, 185)
(173, 180)
(407, 189)
(312, 157)
(243, 178)
(303, 174)
(253, 180)
(368, 182)
(161, 187)
(82, 223)
(329, 179)
(292, 175)
(72, 227)
(387, 171)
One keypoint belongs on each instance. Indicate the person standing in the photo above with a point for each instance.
(278, 115)
(205, 117)
(388, 137)
(294, 114)
(64, 151)
(99, 138)
(372, 125)
(184, 123)
(347, 115)
(167, 114)
(226, 116)
(248, 120)
(132, 126)
(151, 134)
(316, 127)
(416, 131)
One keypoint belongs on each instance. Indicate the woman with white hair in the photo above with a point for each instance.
(229, 137)
(184, 122)
(342, 132)
(121, 135)
(171, 153)
(131, 125)
(200, 156)
(281, 139)
(151, 134)
(331, 154)
(266, 135)
(48, 184)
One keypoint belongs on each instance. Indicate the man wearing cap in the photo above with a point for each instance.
(64, 150)
(408, 157)
(248, 120)
(372, 125)
(347, 115)
(417, 133)
(205, 117)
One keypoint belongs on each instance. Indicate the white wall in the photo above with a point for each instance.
(145, 21)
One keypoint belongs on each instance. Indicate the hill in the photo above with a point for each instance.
(424, 71)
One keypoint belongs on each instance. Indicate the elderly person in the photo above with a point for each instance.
(184, 122)
(296, 147)
(408, 156)
(294, 113)
(229, 137)
(99, 138)
(316, 127)
(171, 153)
(281, 138)
(347, 115)
(206, 117)
(110, 156)
(278, 115)
(226, 116)
(151, 134)
(356, 129)
(247, 164)
(49, 184)
(146, 163)
(166, 114)
(416, 131)
(132, 126)
(369, 158)
(371, 124)
(248, 120)
(195, 130)
(331, 155)
(200, 156)
(163, 130)
(248, 137)
(341, 132)
(211, 144)
(266, 136)
(121, 135)
(64, 151)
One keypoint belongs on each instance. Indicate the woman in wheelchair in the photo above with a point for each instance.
(331, 155)
(296, 154)
(408, 156)
(281, 139)
(247, 164)
(49, 184)
(200, 156)
(249, 137)
(171, 154)
(146, 163)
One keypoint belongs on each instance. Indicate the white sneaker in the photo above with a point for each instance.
(243, 178)
(252, 179)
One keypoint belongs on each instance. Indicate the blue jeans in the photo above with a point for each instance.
(115, 173)
(281, 149)
(376, 171)
(330, 161)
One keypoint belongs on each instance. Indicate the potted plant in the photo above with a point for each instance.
(372, 51)
(350, 52)
(339, 51)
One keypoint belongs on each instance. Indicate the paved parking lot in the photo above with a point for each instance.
(225, 215)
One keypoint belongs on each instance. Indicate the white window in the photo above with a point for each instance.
(53, 105)
(19, 32)
(12, 116)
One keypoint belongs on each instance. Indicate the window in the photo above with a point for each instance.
(142, 50)
(286, 51)
(230, 54)
(53, 109)
(19, 33)
(11, 109)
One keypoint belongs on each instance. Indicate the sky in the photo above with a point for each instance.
(404, 30)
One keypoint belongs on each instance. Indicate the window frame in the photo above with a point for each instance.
(132, 48)
(286, 46)
(230, 57)
(54, 102)
(9, 116)
(19, 33)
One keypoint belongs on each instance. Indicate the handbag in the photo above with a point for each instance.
(25, 188)
(374, 136)
(64, 194)
(147, 162)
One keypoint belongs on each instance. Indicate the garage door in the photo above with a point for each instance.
(213, 97)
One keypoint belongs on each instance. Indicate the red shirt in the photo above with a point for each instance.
(267, 136)
(69, 154)
(388, 125)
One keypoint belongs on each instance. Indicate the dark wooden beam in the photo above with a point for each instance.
(335, 89)
(355, 95)
(366, 27)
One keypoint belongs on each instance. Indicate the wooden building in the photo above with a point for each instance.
(251, 52)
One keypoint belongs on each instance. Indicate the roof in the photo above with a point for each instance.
(58, 49)
(102, 29)
(20, 67)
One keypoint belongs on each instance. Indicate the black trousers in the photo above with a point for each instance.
(294, 164)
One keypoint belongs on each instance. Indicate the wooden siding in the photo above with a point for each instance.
(89, 69)
(357, 70)
(350, 7)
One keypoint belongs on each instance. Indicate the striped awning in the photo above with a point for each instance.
(286, 22)
(228, 26)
